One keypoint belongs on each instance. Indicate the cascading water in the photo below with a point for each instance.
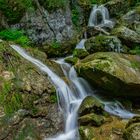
(81, 44)
(70, 96)
(99, 17)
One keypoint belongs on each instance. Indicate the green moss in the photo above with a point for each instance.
(53, 98)
(15, 35)
(11, 101)
(71, 60)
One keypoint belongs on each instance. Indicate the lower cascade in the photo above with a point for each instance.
(70, 96)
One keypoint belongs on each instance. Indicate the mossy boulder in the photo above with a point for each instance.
(26, 94)
(91, 104)
(132, 130)
(91, 112)
(126, 34)
(104, 43)
(116, 73)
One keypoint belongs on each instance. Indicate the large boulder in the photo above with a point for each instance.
(127, 35)
(28, 105)
(104, 43)
(119, 74)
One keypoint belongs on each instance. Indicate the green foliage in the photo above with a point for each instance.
(53, 98)
(55, 45)
(136, 50)
(15, 35)
(75, 16)
(11, 102)
(14, 9)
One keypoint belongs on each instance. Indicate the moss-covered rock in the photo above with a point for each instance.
(127, 34)
(132, 130)
(91, 112)
(91, 105)
(111, 130)
(72, 60)
(117, 73)
(80, 53)
(104, 43)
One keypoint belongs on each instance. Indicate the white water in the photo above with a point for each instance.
(81, 44)
(103, 20)
(71, 95)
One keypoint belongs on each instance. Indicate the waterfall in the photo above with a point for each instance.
(99, 17)
(81, 44)
(71, 96)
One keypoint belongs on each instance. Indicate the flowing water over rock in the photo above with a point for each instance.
(81, 44)
(70, 96)
(99, 17)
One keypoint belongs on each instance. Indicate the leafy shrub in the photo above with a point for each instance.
(15, 35)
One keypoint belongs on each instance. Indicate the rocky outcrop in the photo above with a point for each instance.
(119, 74)
(28, 107)
(42, 26)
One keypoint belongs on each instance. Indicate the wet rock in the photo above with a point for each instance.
(104, 43)
(109, 71)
